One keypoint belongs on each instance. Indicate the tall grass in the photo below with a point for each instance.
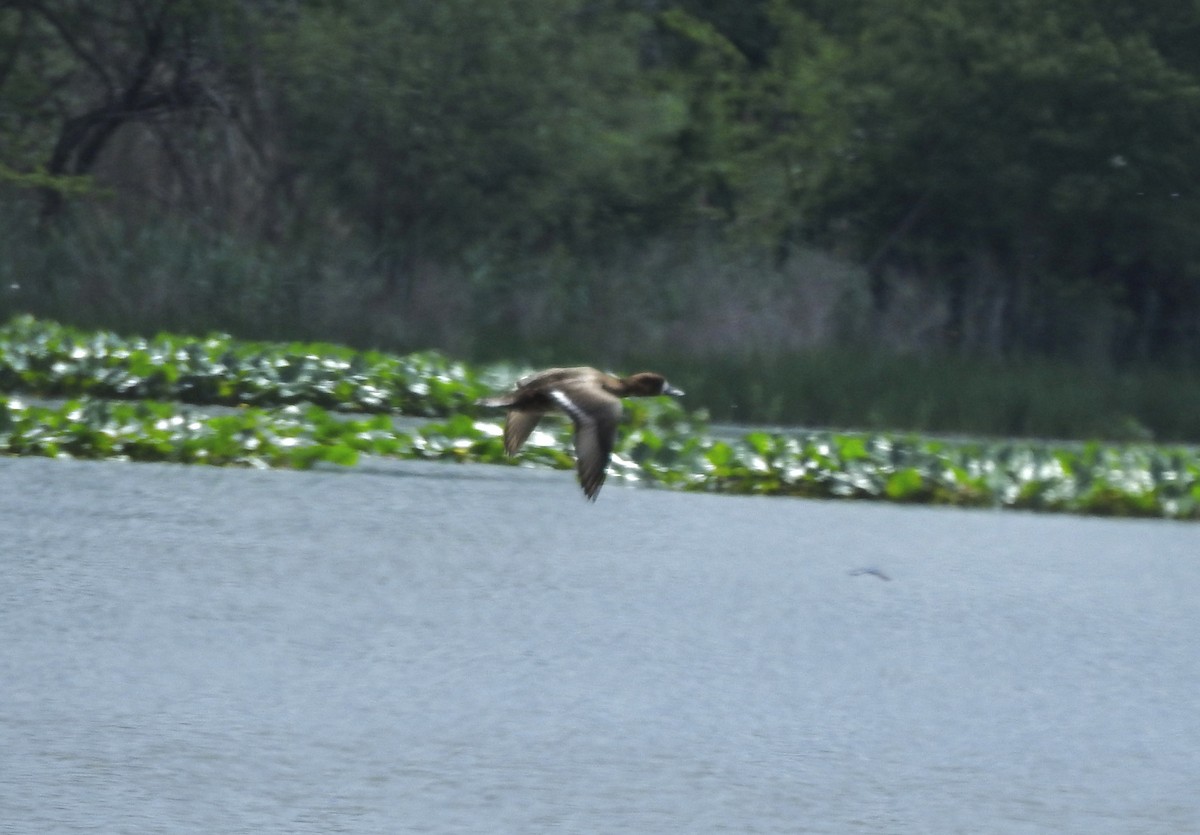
(92, 270)
(750, 341)
(95, 270)
(1032, 398)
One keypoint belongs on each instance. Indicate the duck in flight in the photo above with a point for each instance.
(590, 398)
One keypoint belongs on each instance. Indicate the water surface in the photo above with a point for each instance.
(439, 648)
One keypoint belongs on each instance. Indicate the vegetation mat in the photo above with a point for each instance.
(291, 401)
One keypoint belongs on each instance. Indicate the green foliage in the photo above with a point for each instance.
(765, 137)
(1122, 481)
(49, 360)
(1054, 142)
(39, 179)
(148, 431)
(460, 122)
(1026, 131)
(1020, 156)
(1125, 481)
(659, 443)
(948, 395)
(73, 73)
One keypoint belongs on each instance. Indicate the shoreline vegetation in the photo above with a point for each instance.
(911, 226)
(299, 404)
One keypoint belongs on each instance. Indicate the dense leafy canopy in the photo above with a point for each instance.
(1032, 157)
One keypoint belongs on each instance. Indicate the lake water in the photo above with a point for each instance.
(409, 647)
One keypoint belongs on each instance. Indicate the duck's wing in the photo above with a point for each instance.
(554, 377)
(595, 414)
(517, 427)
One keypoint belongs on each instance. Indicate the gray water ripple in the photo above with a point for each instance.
(438, 648)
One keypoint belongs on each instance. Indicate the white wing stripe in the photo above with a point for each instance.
(568, 405)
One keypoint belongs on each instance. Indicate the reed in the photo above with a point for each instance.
(1033, 398)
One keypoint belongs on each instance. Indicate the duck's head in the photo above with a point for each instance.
(650, 384)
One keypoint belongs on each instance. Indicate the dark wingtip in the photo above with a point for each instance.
(591, 489)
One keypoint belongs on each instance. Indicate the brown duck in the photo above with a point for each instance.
(590, 398)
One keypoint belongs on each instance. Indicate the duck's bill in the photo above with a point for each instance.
(671, 390)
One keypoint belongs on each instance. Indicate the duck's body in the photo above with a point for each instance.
(590, 398)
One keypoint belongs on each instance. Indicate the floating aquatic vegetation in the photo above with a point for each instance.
(1138, 480)
(51, 360)
(293, 398)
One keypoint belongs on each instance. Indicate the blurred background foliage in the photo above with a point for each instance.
(719, 184)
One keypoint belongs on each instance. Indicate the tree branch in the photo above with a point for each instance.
(74, 44)
(82, 138)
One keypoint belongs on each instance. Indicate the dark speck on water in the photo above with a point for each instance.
(874, 572)
(443, 648)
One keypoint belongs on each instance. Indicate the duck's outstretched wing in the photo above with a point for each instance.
(595, 414)
(517, 427)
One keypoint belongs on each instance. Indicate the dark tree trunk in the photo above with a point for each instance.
(83, 138)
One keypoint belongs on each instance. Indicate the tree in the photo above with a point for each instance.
(442, 126)
(1026, 132)
(74, 72)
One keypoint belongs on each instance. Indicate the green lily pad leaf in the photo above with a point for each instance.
(904, 485)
